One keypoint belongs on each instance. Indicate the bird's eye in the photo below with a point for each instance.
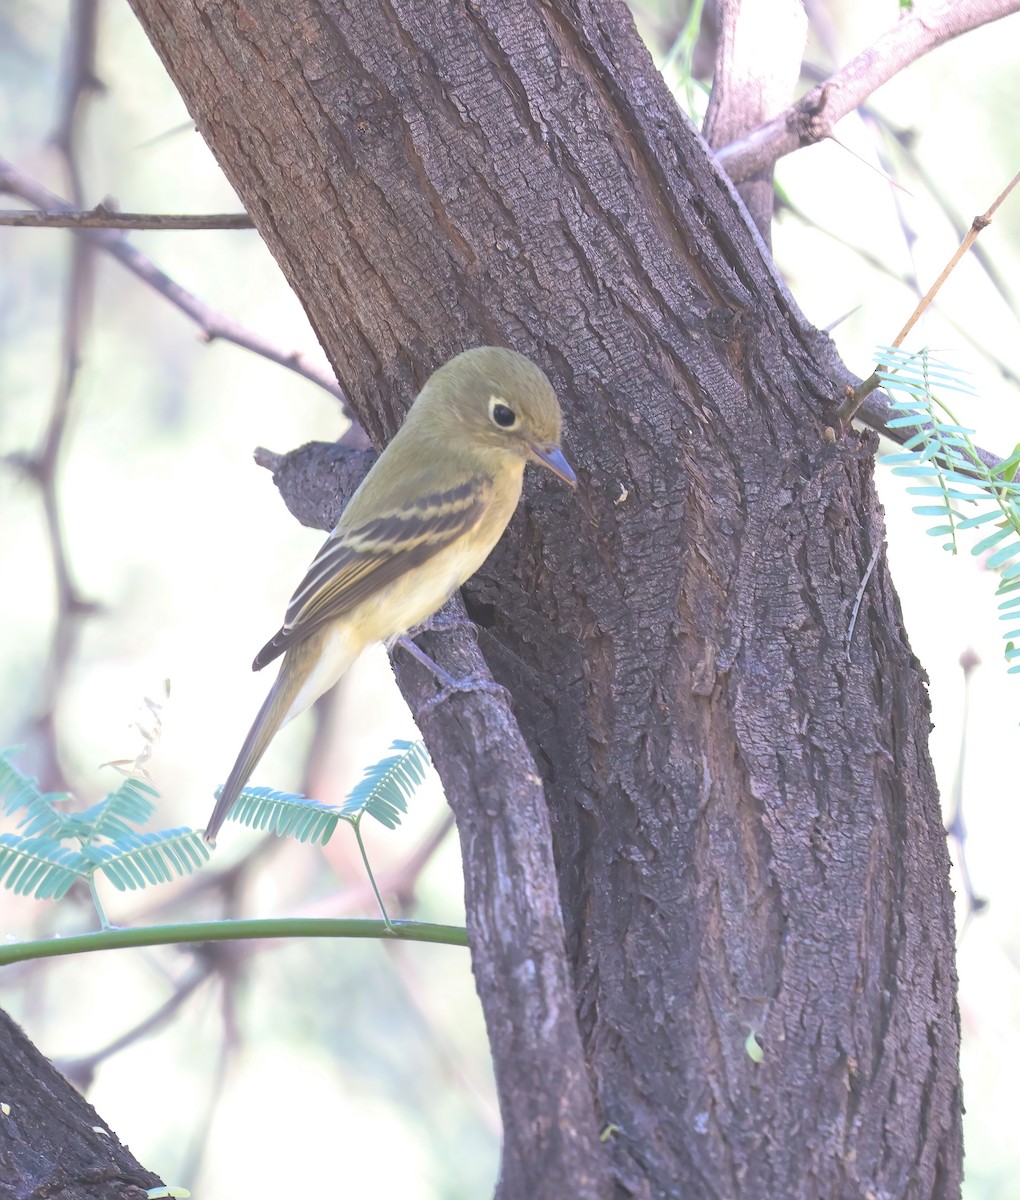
(502, 414)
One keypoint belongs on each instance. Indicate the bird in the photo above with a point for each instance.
(425, 518)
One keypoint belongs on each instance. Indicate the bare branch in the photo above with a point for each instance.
(979, 223)
(910, 282)
(813, 116)
(212, 323)
(902, 139)
(81, 1070)
(42, 466)
(102, 217)
(856, 397)
(79, 80)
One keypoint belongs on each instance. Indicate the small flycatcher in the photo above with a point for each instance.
(423, 521)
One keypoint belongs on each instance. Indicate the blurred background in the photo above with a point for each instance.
(177, 558)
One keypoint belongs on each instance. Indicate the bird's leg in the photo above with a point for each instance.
(446, 619)
(449, 684)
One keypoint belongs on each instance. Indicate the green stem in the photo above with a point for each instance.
(371, 878)
(98, 903)
(224, 931)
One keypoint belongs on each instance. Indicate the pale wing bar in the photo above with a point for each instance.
(355, 564)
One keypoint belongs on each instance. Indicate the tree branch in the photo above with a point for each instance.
(102, 217)
(855, 399)
(813, 116)
(43, 466)
(55, 1143)
(513, 908)
(79, 80)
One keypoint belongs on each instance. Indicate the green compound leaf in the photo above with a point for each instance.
(39, 867)
(286, 814)
(132, 804)
(137, 860)
(941, 453)
(382, 793)
(389, 784)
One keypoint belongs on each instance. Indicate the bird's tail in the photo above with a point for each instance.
(273, 713)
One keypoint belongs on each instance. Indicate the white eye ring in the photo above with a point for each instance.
(501, 414)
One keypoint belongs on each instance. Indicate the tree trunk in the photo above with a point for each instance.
(52, 1141)
(746, 831)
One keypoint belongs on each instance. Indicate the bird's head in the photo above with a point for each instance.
(497, 401)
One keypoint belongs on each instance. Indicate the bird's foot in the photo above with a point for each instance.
(444, 620)
(450, 685)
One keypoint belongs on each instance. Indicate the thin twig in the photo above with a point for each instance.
(902, 139)
(856, 396)
(979, 223)
(260, 929)
(102, 217)
(910, 283)
(813, 116)
(356, 825)
(399, 881)
(933, 188)
(81, 1070)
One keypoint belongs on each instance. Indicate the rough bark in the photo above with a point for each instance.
(745, 824)
(52, 1141)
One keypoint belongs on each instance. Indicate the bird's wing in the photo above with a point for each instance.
(356, 562)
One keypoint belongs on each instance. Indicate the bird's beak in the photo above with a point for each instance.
(552, 457)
